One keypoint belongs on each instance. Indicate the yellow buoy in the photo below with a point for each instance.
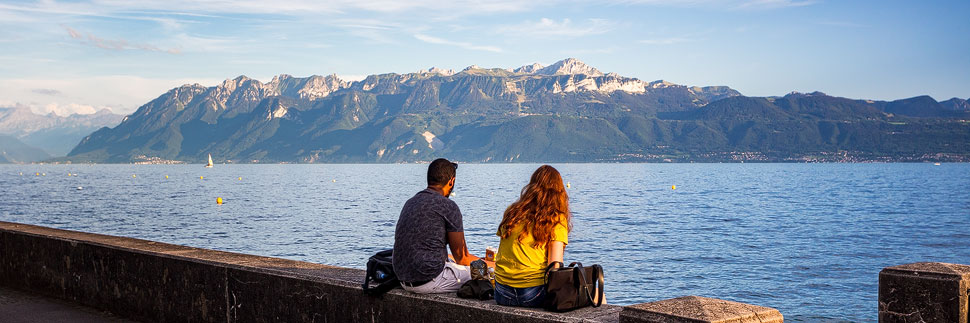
(200, 177)
(673, 187)
(334, 181)
(133, 176)
(166, 176)
(240, 178)
(218, 200)
(37, 174)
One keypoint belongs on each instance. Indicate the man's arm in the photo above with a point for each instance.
(456, 241)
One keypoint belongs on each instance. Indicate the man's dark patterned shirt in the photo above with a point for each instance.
(420, 239)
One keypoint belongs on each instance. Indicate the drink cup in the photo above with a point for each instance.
(490, 253)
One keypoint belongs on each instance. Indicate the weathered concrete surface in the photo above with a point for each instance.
(19, 307)
(699, 309)
(924, 292)
(158, 282)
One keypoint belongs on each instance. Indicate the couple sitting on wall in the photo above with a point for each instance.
(533, 234)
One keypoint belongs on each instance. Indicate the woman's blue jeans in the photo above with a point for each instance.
(526, 297)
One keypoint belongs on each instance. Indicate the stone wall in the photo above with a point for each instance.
(158, 282)
(924, 292)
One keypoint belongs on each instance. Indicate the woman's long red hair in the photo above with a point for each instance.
(542, 205)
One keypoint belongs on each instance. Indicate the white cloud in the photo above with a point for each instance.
(375, 30)
(60, 109)
(66, 109)
(115, 44)
(205, 44)
(772, 4)
(469, 46)
(286, 7)
(121, 93)
(589, 51)
(566, 27)
(51, 92)
(722, 4)
(666, 41)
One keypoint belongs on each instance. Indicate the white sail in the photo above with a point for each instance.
(210, 161)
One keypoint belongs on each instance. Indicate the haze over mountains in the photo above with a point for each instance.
(33, 137)
(567, 111)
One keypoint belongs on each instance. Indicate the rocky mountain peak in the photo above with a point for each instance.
(956, 104)
(439, 71)
(569, 66)
(659, 84)
(796, 94)
(280, 78)
(317, 86)
(230, 85)
(472, 67)
(528, 69)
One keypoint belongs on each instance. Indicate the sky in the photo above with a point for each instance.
(82, 56)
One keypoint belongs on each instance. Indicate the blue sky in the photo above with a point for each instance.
(80, 56)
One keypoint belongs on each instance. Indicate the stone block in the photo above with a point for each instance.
(924, 292)
(696, 309)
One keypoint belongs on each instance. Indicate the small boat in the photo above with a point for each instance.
(209, 165)
(936, 164)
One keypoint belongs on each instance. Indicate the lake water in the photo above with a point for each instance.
(807, 239)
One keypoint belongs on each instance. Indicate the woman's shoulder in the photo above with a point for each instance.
(562, 219)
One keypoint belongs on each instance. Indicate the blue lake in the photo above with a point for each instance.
(807, 239)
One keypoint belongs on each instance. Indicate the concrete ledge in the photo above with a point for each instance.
(699, 309)
(924, 292)
(159, 282)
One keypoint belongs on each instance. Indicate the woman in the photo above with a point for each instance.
(534, 232)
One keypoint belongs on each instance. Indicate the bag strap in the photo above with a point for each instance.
(367, 279)
(383, 287)
(581, 272)
(600, 288)
(551, 267)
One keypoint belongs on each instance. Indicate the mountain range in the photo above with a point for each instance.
(14, 151)
(564, 112)
(53, 135)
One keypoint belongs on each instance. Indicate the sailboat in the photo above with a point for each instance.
(209, 165)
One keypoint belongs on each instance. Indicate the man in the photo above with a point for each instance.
(428, 221)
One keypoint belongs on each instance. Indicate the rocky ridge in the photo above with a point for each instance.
(567, 111)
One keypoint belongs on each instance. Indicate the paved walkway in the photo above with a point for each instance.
(17, 306)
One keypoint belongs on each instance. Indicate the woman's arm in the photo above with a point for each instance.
(554, 251)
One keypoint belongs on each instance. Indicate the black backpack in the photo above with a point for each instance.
(380, 270)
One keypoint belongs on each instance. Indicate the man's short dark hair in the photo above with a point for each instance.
(440, 172)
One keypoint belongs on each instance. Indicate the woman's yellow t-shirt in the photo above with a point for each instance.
(518, 264)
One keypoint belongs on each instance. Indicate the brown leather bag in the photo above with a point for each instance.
(572, 287)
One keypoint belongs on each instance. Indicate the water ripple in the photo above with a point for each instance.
(808, 239)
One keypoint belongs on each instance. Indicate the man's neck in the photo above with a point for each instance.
(437, 189)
